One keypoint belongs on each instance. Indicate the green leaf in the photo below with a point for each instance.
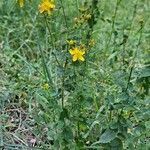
(108, 136)
(67, 133)
(147, 124)
(116, 144)
(42, 101)
(64, 114)
(143, 72)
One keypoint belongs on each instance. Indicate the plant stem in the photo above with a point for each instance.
(126, 37)
(139, 42)
(52, 41)
(64, 67)
(113, 23)
(65, 18)
(131, 70)
(46, 70)
(62, 91)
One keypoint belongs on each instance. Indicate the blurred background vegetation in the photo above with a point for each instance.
(106, 98)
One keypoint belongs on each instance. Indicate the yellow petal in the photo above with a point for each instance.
(49, 12)
(71, 42)
(52, 6)
(76, 50)
(40, 9)
(82, 52)
(46, 6)
(21, 3)
(74, 58)
(72, 52)
(81, 58)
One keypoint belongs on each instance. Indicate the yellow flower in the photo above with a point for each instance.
(71, 42)
(46, 6)
(77, 54)
(21, 3)
(45, 86)
(87, 17)
(92, 42)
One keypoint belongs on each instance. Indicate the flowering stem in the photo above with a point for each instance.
(77, 5)
(49, 30)
(46, 70)
(139, 42)
(62, 92)
(126, 37)
(52, 41)
(113, 23)
(65, 18)
(96, 105)
(66, 61)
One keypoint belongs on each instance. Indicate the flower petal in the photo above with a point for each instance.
(46, 6)
(21, 3)
(74, 58)
(72, 52)
(83, 52)
(81, 58)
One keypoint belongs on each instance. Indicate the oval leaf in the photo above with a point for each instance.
(107, 136)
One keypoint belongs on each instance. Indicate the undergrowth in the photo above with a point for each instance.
(74, 74)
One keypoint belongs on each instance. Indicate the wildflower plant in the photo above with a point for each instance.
(46, 6)
(21, 3)
(74, 75)
(77, 54)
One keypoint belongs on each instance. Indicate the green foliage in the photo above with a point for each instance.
(48, 101)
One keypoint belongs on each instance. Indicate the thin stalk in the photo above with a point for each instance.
(52, 41)
(126, 37)
(110, 115)
(131, 70)
(46, 70)
(65, 18)
(133, 16)
(64, 67)
(1, 133)
(49, 30)
(77, 5)
(78, 129)
(139, 42)
(77, 105)
(96, 105)
(62, 91)
(63, 83)
(113, 23)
